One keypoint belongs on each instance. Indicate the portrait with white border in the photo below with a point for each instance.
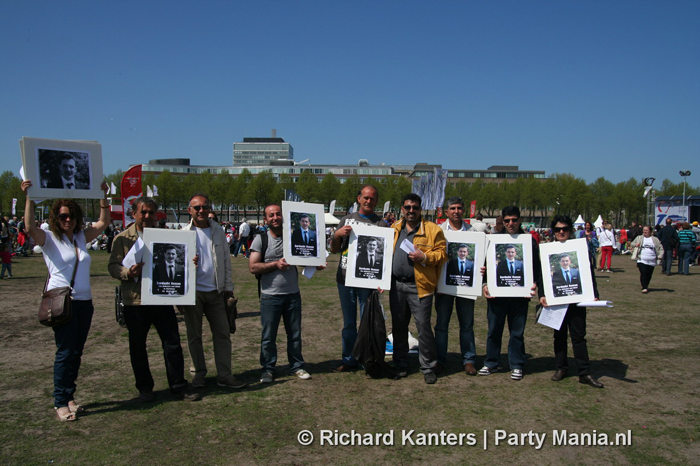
(161, 284)
(461, 274)
(566, 272)
(509, 265)
(304, 233)
(62, 169)
(370, 257)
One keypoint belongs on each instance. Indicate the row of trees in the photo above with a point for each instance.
(561, 193)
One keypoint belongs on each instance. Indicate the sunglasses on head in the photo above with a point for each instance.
(560, 229)
(408, 208)
(64, 217)
(197, 208)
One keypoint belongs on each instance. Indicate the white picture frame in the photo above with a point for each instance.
(297, 251)
(467, 283)
(501, 282)
(360, 273)
(156, 242)
(579, 288)
(43, 160)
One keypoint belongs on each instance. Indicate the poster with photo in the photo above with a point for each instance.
(169, 274)
(370, 256)
(304, 233)
(461, 274)
(509, 265)
(566, 272)
(62, 169)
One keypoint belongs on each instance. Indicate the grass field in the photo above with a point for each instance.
(645, 350)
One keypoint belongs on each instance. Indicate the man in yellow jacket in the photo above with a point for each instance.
(414, 278)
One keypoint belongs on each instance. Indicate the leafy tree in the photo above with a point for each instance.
(307, 186)
(328, 189)
(263, 190)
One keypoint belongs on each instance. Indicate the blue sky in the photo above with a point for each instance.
(593, 88)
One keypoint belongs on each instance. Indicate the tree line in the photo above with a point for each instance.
(537, 198)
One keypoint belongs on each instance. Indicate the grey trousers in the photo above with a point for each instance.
(404, 302)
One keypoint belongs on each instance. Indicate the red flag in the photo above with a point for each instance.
(131, 189)
(472, 209)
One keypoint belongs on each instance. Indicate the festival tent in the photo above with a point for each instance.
(598, 222)
(579, 222)
(330, 219)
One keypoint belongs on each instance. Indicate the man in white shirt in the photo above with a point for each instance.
(214, 286)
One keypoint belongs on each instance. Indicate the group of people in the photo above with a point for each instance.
(414, 280)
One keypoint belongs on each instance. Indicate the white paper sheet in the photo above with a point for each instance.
(308, 272)
(134, 256)
(553, 316)
(596, 304)
(407, 246)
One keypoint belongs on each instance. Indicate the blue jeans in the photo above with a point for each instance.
(685, 252)
(515, 311)
(273, 308)
(70, 341)
(667, 260)
(349, 298)
(465, 315)
(138, 321)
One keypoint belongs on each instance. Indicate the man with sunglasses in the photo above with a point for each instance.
(140, 318)
(214, 286)
(414, 279)
(512, 309)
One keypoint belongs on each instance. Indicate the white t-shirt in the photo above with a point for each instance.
(206, 280)
(60, 260)
(244, 230)
(648, 254)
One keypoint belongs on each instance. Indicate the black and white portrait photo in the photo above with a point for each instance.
(304, 238)
(169, 272)
(566, 272)
(369, 263)
(64, 169)
(460, 266)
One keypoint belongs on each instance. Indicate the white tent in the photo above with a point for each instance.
(579, 222)
(598, 222)
(330, 219)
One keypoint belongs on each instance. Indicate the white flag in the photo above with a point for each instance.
(155, 191)
(149, 192)
(113, 190)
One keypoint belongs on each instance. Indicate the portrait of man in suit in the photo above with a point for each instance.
(304, 241)
(168, 272)
(510, 271)
(66, 175)
(370, 259)
(566, 280)
(460, 270)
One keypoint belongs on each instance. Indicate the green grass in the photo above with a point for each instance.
(644, 349)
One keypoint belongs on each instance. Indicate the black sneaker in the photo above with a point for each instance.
(186, 395)
(430, 378)
(146, 396)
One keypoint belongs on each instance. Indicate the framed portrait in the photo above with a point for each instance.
(461, 274)
(370, 256)
(509, 265)
(62, 169)
(169, 275)
(566, 272)
(304, 233)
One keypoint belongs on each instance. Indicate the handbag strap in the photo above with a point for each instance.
(75, 269)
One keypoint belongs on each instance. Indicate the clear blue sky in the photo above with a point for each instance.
(593, 88)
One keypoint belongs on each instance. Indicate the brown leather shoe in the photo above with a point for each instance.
(558, 375)
(470, 369)
(345, 368)
(589, 380)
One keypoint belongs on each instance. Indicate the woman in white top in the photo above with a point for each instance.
(651, 254)
(606, 239)
(60, 244)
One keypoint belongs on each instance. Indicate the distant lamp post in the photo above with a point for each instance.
(685, 174)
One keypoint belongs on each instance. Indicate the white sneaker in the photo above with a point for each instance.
(487, 370)
(516, 374)
(302, 374)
